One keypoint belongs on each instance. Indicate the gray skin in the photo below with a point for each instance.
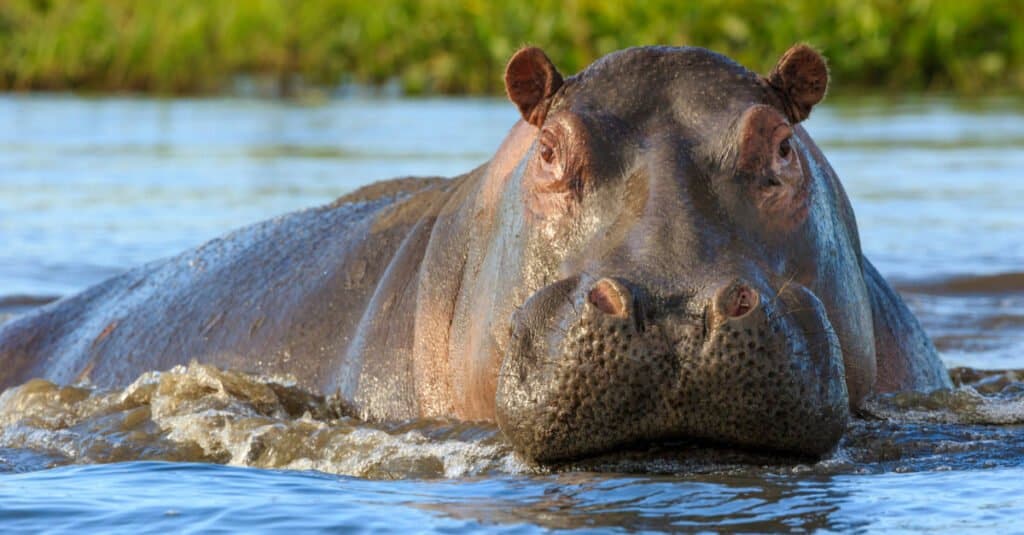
(657, 251)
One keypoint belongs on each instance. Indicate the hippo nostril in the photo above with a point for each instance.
(737, 300)
(610, 297)
(745, 300)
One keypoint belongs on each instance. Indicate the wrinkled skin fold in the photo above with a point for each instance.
(657, 251)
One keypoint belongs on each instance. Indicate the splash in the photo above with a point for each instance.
(980, 398)
(200, 413)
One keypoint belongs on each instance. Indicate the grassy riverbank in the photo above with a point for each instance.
(197, 46)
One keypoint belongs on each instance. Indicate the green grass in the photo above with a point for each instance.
(438, 46)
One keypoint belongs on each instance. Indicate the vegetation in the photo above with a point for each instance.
(189, 46)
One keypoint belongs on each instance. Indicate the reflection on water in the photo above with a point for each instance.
(91, 187)
(936, 188)
(171, 497)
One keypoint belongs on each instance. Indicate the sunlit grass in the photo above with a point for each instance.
(179, 46)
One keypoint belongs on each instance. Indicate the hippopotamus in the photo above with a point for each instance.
(657, 251)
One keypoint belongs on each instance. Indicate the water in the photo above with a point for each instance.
(90, 187)
(162, 497)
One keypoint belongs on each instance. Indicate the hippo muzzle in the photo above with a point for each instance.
(593, 367)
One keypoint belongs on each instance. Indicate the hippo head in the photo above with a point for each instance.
(684, 262)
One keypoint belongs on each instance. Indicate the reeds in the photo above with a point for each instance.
(439, 46)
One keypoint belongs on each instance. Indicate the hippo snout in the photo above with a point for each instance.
(595, 365)
(768, 374)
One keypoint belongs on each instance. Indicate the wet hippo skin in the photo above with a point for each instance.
(657, 251)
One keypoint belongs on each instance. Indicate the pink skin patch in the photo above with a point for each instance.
(780, 190)
(743, 300)
(608, 298)
(737, 301)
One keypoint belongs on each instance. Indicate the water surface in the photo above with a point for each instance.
(161, 497)
(91, 187)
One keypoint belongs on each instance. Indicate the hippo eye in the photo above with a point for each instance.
(785, 149)
(547, 153)
(546, 145)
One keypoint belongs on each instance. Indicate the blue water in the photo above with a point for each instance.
(164, 497)
(90, 187)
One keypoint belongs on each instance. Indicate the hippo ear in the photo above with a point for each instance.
(530, 79)
(800, 78)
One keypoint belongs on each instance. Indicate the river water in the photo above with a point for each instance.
(90, 187)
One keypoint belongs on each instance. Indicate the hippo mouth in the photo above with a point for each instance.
(596, 371)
